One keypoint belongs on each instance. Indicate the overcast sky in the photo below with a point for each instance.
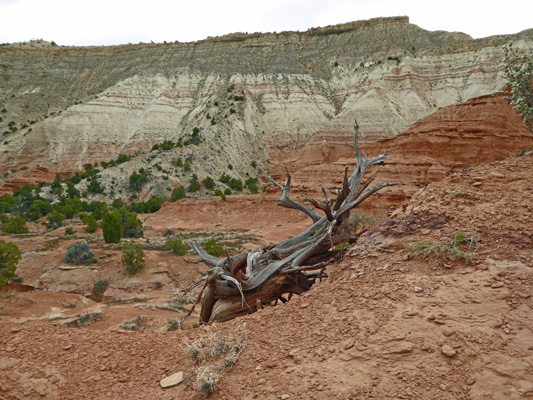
(108, 22)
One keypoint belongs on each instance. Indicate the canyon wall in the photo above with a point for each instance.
(253, 96)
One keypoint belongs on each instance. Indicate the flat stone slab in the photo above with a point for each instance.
(172, 380)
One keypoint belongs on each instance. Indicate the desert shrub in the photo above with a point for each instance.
(137, 180)
(167, 145)
(132, 227)
(224, 178)
(9, 258)
(112, 227)
(213, 248)
(84, 319)
(133, 257)
(452, 251)
(100, 287)
(186, 166)
(56, 186)
(178, 193)
(72, 192)
(253, 164)
(209, 182)
(251, 184)
(219, 193)
(207, 380)
(123, 158)
(94, 186)
(80, 253)
(7, 201)
(42, 207)
(174, 325)
(235, 184)
(135, 324)
(91, 224)
(518, 70)
(55, 220)
(177, 246)
(227, 192)
(70, 231)
(15, 225)
(98, 209)
(178, 162)
(194, 186)
(208, 350)
(149, 206)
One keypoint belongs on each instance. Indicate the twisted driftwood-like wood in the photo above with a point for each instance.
(241, 284)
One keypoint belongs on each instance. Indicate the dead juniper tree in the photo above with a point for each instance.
(240, 284)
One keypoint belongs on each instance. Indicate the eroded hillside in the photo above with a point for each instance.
(254, 97)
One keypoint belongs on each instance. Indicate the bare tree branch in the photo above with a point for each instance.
(286, 202)
(268, 273)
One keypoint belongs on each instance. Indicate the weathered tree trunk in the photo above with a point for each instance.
(240, 284)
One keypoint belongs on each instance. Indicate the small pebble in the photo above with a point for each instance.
(448, 350)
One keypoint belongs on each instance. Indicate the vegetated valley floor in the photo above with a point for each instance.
(386, 324)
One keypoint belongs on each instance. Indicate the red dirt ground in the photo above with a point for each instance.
(385, 325)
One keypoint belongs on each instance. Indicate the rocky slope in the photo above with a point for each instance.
(385, 324)
(255, 97)
(453, 139)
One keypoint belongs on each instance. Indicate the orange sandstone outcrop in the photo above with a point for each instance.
(481, 130)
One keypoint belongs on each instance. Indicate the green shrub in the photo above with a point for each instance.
(55, 220)
(209, 182)
(91, 224)
(452, 251)
(186, 166)
(16, 225)
(112, 227)
(123, 158)
(167, 145)
(133, 257)
(72, 192)
(94, 186)
(80, 253)
(137, 180)
(235, 184)
(518, 70)
(227, 192)
(178, 193)
(43, 207)
(251, 184)
(177, 246)
(9, 258)
(194, 186)
(98, 209)
(100, 287)
(218, 192)
(132, 227)
(70, 231)
(224, 178)
(213, 248)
